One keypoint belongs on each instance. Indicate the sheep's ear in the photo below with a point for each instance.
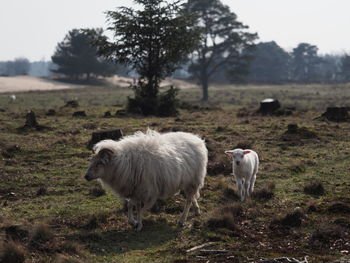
(105, 155)
(229, 152)
(246, 152)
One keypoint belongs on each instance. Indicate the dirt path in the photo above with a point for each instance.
(28, 83)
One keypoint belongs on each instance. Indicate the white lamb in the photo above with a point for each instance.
(245, 166)
(148, 166)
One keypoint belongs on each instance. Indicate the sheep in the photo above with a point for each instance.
(144, 167)
(245, 166)
(13, 98)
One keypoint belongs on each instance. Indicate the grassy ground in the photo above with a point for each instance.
(54, 215)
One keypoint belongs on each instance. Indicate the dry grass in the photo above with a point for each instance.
(56, 159)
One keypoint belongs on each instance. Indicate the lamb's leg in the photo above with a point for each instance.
(131, 218)
(197, 211)
(246, 188)
(240, 189)
(252, 183)
(139, 214)
(184, 215)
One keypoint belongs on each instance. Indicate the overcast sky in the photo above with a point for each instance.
(32, 28)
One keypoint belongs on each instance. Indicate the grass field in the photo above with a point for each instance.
(54, 215)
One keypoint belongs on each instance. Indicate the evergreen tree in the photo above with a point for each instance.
(345, 67)
(305, 61)
(76, 57)
(270, 64)
(152, 39)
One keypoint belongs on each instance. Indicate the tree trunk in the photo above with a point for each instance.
(204, 82)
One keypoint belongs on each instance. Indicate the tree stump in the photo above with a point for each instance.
(107, 114)
(72, 103)
(338, 114)
(51, 112)
(114, 134)
(79, 114)
(120, 113)
(269, 106)
(31, 120)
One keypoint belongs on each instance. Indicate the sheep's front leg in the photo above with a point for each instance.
(131, 218)
(246, 188)
(240, 189)
(139, 214)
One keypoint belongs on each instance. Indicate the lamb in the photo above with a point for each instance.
(144, 167)
(245, 166)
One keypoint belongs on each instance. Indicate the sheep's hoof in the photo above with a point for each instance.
(197, 212)
(180, 223)
(138, 227)
(132, 222)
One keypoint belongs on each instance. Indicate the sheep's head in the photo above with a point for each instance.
(237, 155)
(98, 164)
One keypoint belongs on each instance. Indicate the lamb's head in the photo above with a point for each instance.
(98, 164)
(237, 155)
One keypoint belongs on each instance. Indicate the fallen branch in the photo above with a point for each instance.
(212, 252)
(199, 247)
(283, 260)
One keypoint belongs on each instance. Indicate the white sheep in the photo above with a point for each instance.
(245, 166)
(13, 97)
(144, 167)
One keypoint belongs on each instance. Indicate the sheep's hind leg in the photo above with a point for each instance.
(131, 218)
(252, 183)
(139, 214)
(189, 199)
(246, 188)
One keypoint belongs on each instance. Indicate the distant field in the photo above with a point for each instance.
(41, 179)
(116, 91)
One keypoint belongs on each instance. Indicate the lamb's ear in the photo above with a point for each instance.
(229, 152)
(246, 152)
(105, 155)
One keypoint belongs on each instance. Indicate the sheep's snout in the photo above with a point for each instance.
(238, 162)
(88, 177)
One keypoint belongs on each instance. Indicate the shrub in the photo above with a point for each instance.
(97, 191)
(293, 219)
(40, 235)
(168, 103)
(164, 104)
(314, 188)
(222, 221)
(12, 252)
(265, 193)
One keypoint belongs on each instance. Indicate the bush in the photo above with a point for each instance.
(149, 103)
(12, 252)
(168, 103)
(264, 193)
(40, 235)
(314, 188)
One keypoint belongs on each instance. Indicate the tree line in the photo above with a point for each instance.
(202, 38)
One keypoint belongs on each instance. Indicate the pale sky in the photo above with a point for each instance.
(32, 28)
